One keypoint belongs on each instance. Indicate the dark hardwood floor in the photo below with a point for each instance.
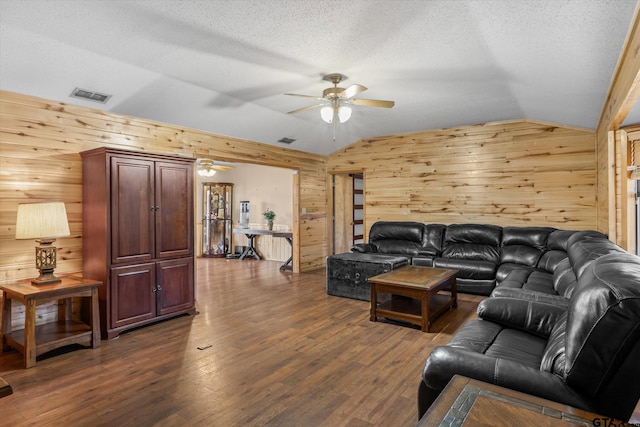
(268, 348)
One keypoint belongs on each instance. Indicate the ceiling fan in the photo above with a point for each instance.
(336, 100)
(208, 167)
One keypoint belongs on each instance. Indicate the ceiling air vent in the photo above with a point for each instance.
(286, 140)
(91, 96)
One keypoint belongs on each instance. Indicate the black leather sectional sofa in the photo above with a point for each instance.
(580, 348)
(562, 321)
(484, 255)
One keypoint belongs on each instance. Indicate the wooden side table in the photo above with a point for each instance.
(471, 403)
(33, 340)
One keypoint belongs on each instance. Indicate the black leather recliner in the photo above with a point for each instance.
(586, 355)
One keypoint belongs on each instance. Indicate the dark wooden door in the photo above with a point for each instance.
(174, 214)
(175, 279)
(133, 294)
(132, 210)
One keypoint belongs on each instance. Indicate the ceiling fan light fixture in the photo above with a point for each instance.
(344, 113)
(206, 172)
(327, 114)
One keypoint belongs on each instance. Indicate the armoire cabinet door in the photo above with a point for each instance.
(174, 215)
(133, 294)
(175, 279)
(132, 210)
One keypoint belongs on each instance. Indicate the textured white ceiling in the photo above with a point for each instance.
(223, 66)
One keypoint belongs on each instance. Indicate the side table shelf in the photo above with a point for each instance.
(32, 341)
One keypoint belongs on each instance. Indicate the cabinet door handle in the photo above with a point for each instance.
(158, 287)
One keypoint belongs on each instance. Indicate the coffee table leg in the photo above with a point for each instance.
(374, 303)
(426, 296)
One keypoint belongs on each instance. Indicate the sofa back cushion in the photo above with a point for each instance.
(523, 245)
(472, 242)
(603, 324)
(391, 237)
(583, 252)
(558, 244)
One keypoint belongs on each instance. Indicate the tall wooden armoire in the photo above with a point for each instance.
(137, 221)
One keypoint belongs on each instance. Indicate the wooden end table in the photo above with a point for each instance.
(33, 340)
(471, 403)
(421, 284)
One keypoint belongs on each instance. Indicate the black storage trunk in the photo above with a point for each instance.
(347, 273)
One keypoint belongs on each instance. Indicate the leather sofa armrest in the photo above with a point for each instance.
(525, 294)
(534, 317)
(363, 248)
(445, 362)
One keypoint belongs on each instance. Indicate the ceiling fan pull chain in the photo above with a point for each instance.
(334, 128)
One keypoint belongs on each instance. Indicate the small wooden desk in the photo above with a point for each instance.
(469, 403)
(33, 340)
(251, 234)
(422, 286)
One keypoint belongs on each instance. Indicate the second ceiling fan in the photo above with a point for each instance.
(336, 100)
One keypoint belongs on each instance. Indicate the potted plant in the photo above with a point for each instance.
(269, 215)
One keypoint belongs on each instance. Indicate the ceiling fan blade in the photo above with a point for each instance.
(310, 107)
(304, 96)
(352, 90)
(373, 103)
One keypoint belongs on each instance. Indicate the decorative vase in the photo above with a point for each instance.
(270, 225)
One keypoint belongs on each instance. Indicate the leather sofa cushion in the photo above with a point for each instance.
(475, 335)
(534, 237)
(389, 246)
(558, 240)
(472, 242)
(467, 268)
(391, 237)
(603, 322)
(519, 346)
(475, 286)
(583, 252)
(540, 281)
(550, 260)
(390, 230)
(493, 340)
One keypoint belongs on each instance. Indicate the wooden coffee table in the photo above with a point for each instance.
(422, 286)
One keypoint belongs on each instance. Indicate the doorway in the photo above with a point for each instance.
(348, 211)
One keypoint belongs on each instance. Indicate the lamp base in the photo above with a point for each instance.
(46, 278)
(46, 257)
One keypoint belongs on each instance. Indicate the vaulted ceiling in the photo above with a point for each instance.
(223, 66)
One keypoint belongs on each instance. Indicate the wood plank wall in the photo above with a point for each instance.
(39, 161)
(509, 173)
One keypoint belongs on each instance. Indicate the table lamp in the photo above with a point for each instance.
(43, 222)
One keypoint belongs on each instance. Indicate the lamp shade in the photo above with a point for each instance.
(41, 221)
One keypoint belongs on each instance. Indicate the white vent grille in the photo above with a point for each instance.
(91, 96)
